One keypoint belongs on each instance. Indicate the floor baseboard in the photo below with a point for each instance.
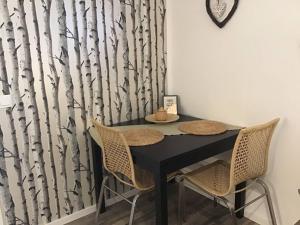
(75, 216)
(91, 209)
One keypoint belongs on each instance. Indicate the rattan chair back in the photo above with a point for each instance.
(250, 154)
(116, 154)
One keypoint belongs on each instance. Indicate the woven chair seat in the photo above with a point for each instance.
(145, 179)
(213, 178)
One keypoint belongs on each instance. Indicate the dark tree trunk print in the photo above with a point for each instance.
(62, 147)
(142, 57)
(126, 82)
(36, 145)
(156, 55)
(95, 48)
(163, 57)
(41, 78)
(14, 152)
(149, 54)
(86, 63)
(86, 167)
(71, 127)
(19, 107)
(85, 58)
(115, 45)
(135, 59)
(106, 61)
(5, 194)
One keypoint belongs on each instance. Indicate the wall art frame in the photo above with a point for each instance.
(171, 103)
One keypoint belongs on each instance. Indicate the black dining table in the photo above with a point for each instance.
(173, 153)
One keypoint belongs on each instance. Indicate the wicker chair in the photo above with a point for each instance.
(248, 163)
(117, 160)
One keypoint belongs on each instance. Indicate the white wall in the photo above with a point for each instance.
(246, 73)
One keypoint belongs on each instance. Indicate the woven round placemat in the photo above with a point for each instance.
(202, 127)
(142, 136)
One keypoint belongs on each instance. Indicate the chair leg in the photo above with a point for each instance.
(269, 200)
(101, 196)
(181, 203)
(133, 208)
(232, 213)
(215, 202)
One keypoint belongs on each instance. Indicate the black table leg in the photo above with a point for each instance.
(161, 198)
(98, 171)
(240, 199)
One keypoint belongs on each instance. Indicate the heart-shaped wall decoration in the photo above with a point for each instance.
(221, 11)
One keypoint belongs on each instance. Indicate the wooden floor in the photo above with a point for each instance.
(199, 211)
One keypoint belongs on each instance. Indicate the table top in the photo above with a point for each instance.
(178, 151)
